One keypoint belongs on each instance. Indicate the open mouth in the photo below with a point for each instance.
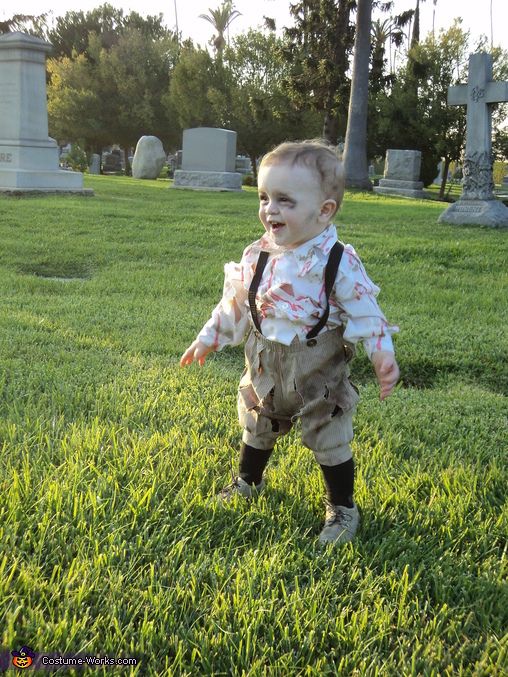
(276, 226)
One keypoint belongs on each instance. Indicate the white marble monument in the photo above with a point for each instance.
(402, 174)
(28, 156)
(208, 160)
(477, 205)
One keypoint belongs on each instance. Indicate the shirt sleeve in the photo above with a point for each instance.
(355, 295)
(230, 318)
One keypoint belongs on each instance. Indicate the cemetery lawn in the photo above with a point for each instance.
(110, 541)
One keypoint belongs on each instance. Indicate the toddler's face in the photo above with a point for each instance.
(292, 207)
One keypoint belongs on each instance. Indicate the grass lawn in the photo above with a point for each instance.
(110, 541)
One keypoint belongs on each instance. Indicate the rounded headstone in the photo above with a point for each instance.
(149, 158)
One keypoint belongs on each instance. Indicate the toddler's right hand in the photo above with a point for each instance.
(196, 351)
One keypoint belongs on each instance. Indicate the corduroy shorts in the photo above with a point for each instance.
(307, 381)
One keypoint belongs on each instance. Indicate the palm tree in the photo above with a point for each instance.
(220, 19)
(355, 149)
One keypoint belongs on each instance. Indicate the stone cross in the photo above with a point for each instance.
(477, 203)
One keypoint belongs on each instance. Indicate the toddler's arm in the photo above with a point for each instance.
(387, 371)
(228, 323)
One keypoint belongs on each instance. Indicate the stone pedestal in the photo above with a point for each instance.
(208, 160)
(208, 180)
(476, 213)
(28, 156)
(402, 173)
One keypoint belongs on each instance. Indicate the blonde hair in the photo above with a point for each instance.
(318, 156)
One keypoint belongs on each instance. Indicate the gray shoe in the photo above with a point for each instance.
(239, 487)
(340, 525)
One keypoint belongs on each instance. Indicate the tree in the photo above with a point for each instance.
(75, 112)
(416, 114)
(72, 31)
(187, 99)
(355, 150)
(243, 91)
(112, 96)
(220, 19)
(26, 23)
(253, 100)
(137, 70)
(317, 49)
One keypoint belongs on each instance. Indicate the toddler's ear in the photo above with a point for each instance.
(328, 208)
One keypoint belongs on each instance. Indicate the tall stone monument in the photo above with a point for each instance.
(208, 160)
(28, 156)
(477, 205)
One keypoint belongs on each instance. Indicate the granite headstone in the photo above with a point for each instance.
(402, 174)
(208, 160)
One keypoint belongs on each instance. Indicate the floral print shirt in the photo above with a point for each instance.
(291, 297)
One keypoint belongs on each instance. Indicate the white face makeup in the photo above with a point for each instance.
(292, 207)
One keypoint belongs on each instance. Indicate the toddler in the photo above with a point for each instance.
(303, 300)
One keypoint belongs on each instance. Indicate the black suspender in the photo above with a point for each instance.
(332, 266)
(258, 274)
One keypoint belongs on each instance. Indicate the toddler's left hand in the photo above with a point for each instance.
(387, 371)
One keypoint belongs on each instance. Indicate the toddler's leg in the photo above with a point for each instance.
(339, 482)
(250, 473)
(342, 517)
(252, 463)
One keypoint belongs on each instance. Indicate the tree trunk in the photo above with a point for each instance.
(331, 127)
(355, 150)
(253, 161)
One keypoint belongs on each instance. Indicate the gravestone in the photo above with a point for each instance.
(112, 162)
(439, 178)
(401, 175)
(477, 205)
(95, 165)
(243, 165)
(208, 160)
(149, 158)
(29, 158)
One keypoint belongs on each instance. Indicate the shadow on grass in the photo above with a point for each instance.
(422, 373)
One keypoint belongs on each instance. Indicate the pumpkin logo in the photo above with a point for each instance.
(23, 658)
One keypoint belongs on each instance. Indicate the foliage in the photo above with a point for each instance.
(25, 23)
(111, 542)
(112, 96)
(76, 158)
(253, 101)
(415, 113)
(187, 99)
(242, 91)
(71, 33)
(317, 49)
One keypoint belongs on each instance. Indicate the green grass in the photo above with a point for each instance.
(110, 541)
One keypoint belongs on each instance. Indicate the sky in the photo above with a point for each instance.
(475, 14)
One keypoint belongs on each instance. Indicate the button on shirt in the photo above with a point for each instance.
(291, 297)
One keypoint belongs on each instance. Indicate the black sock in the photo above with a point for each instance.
(252, 463)
(339, 481)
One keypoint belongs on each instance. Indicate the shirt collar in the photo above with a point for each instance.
(322, 242)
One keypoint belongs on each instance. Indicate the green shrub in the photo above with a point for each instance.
(77, 158)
